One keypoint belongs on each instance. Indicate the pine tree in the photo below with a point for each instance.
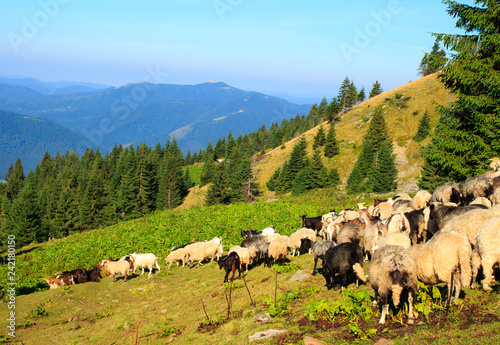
(376, 89)
(352, 96)
(386, 174)
(433, 61)
(220, 148)
(298, 158)
(25, 218)
(322, 107)
(344, 91)
(208, 171)
(355, 181)
(217, 190)
(249, 188)
(331, 144)
(333, 110)
(333, 178)
(468, 132)
(424, 128)
(313, 113)
(361, 94)
(318, 172)
(271, 184)
(14, 178)
(301, 182)
(319, 138)
(171, 189)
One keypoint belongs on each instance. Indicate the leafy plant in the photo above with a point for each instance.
(287, 267)
(168, 331)
(427, 301)
(358, 332)
(37, 312)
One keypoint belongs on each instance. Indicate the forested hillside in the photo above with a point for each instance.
(29, 138)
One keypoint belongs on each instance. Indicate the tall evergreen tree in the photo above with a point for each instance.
(319, 138)
(217, 192)
(331, 144)
(14, 178)
(318, 173)
(433, 61)
(344, 92)
(376, 89)
(333, 178)
(313, 113)
(322, 107)
(302, 181)
(386, 174)
(424, 128)
(361, 94)
(333, 110)
(271, 184)
(468, 132)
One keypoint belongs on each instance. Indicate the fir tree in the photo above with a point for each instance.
(424, 128)
(14, 178)
(433, 61)
(318, 172)
(301, 182)
(331, 144)
(376, 89)
(355, 181)
(298, 158)
(386, 174)
(333, 178)
(217, 190)
(361, 94)
(313, 113)
(249, 188)
(271, 184)
(319, 138)
(322, 107)
(344, 92)
(333, 110)
(468, 132)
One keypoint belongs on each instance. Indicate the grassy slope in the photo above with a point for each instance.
(107, 313)
(425, 94)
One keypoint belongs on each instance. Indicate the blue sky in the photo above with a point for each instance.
(295, 47)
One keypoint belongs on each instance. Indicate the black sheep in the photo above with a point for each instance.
(343, 259)
(230, 264)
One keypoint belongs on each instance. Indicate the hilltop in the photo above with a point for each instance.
(402, 116)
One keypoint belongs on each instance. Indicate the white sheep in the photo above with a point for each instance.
(207, 250)
(495, 197)
(294, 239)
(244, 255)
(269, 230)
(143, 261)
(421, 199)
(272, 237)
(470, 222)
(278, 249)
(116, 267)
(177, 255)
(350, 233)
(393, 269)
(481, 201)
(444, 258)
(396, 239)
(487, 251)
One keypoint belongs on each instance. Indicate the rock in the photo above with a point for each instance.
(300, 276)
(384, 341)
(312, 341)
(262, 318)
(265, 334)
(163, 311)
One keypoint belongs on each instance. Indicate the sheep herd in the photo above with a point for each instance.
(443, 237)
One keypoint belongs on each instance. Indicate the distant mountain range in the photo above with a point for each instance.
(145, 112)
(29, 138)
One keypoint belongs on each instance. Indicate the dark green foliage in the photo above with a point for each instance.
(468, 132)
(302, 181)
(333, 110)
(355, 181)
(376, 89)
(271, 184)
(319, 138)
(14, 178)
(361, 94)
(433, 61)
(424, 128)
(318, 172)
(333, 178)
(323, 105)
(386, 174)
(430, 177)
(331, 144)
(217, 192)
(375, 169)
(348, 94)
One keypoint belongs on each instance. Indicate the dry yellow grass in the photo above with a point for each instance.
(426, 93)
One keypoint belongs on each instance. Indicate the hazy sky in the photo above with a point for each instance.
(295, 47)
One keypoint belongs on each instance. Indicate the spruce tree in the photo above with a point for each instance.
(272, 182)
(318, 172)
(333, 178)
(433, 61)
(217, 192)
(14, 178)
(331, 145)
(468, 132)
(361, 94)
(302, 181)
(333, 110)
(376, 89)
(386, 174)
(355, 181)
(319, 139)
(424, 128)
(344, 91)
(249, 188)
(313, 113)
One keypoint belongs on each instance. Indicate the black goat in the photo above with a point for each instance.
(230, 264)
(314, 223)
(343, 259)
